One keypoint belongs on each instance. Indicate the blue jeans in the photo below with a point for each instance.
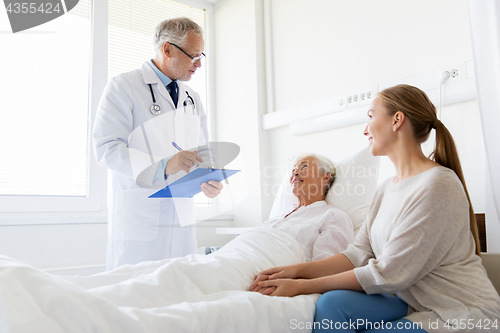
(354, 311)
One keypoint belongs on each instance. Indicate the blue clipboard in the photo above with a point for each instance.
(189, 185)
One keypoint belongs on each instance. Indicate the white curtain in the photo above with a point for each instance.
(485, 32)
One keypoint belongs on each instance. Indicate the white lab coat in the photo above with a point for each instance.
(139, 228)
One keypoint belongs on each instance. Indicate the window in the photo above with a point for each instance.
(44, 123)
(43, 136)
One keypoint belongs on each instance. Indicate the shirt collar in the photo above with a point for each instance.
(314, 204)
(165, 80)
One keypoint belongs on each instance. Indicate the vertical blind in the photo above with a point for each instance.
(131, 26)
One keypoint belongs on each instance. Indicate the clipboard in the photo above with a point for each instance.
(189, 185)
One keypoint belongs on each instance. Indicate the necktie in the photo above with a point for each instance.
(173, 91)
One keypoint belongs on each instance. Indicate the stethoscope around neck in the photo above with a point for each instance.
(156, 109)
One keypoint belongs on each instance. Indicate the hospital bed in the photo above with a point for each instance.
(197, 293)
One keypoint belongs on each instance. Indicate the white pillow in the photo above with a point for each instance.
(355, 185)
(353, 190)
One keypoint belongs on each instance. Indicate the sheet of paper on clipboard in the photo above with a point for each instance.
(189, 185)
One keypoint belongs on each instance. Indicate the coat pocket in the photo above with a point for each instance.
(136, 217)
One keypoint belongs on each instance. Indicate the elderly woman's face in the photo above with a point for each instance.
(306, 179)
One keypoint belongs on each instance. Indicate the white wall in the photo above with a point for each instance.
(335, 47)
(240, 97)
(327, 48)
(56, 246)
(77, 248)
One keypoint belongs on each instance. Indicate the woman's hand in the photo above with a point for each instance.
(258, 278)
(282, 272)
(283, 287)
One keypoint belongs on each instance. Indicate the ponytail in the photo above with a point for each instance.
(445, 153)
(415, 104)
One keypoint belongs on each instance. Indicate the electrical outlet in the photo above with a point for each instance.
(457, 73)
(361, 97)
(352, 100)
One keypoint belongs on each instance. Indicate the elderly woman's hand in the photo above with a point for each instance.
(262, 276)
(274, 273)
(255, 285)
(283, 287)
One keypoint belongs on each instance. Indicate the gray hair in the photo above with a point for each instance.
(325, 166)
(174, 31)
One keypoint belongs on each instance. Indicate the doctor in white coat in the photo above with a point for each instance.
(139, 228)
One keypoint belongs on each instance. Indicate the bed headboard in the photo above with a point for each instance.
(481, 226)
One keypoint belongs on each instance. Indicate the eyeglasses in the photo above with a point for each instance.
(193, 59)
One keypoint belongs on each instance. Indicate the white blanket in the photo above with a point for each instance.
(196, 293)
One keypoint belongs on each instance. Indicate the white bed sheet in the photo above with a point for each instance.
(196, 293)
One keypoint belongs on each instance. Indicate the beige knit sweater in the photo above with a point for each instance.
(416, 243)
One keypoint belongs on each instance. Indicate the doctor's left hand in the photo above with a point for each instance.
(212, 188)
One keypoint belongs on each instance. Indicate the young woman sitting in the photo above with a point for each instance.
(414, 265)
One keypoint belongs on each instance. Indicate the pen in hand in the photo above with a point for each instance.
(189, 158)
(176, 146)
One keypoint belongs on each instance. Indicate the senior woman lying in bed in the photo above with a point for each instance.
(196, 293)
(320, 228)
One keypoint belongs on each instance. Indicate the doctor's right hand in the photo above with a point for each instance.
(183, 160)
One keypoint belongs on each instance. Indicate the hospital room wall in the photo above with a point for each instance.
(341, 46)
(63, 248)
(328, 48)
(240, 99)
